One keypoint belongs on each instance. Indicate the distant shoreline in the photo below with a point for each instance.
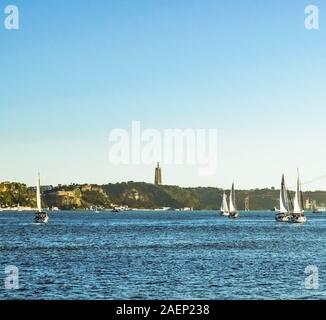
(141, 196)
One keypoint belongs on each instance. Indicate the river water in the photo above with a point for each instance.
(162, 255)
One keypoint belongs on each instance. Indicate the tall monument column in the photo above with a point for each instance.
(158, 175)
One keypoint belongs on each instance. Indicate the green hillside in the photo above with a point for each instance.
(140, 195)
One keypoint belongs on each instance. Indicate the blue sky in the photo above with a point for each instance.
(77, 69)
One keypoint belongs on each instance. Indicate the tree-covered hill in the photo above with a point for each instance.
(140, 195)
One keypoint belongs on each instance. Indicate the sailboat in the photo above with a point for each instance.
(314, 208)
(298, 208)
(224, 206)
(40, 216)
(284, 214)
(232, 207)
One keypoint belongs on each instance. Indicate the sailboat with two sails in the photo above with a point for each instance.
(229, 209)
(292, 212)
(284, 214)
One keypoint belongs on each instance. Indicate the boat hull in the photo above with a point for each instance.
(300, 219)
(283, 218)
(234, 215)
(225, 214)
(41, 217)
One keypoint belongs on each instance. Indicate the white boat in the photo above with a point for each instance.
(284, 214)
(234, 214)
(224, 206)
(298, 208)
(156, 209)
(40, 215)
(126, 208)
(316, 209)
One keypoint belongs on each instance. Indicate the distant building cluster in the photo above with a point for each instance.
(310, 204)
(314, 206)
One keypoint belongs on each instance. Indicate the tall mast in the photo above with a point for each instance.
(232, 200)
(297, 205)
(38, 193)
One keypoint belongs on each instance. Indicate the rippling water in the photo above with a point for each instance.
(155, 255)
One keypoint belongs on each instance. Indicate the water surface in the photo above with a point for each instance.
(161, 255)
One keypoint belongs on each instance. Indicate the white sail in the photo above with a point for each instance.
(297, 203)
(38, 194)
(232, 200)
(284, 202)
(224, 205)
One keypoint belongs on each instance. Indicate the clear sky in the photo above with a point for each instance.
(77, 69)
